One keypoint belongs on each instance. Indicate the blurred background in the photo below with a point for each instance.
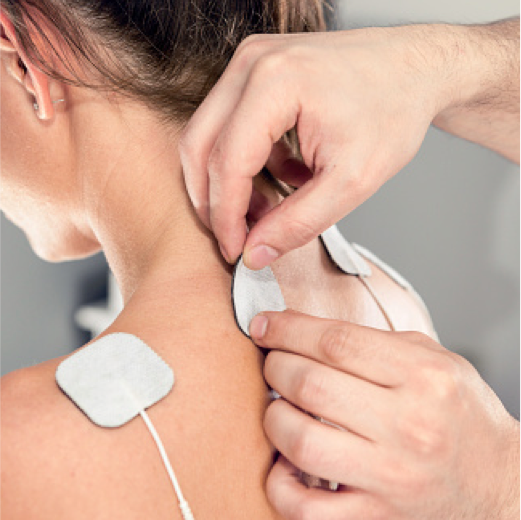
(449, 222)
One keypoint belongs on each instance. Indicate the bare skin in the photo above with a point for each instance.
(211, 425)
(100, 172)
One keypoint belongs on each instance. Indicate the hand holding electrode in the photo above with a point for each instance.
(425, 437)
(275, 83)
(361, 102)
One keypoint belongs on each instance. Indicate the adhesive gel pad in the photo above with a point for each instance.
(113, 379)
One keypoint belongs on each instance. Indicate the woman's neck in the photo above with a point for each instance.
(138, 207)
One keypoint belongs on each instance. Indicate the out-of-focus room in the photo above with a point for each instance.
(449, 222)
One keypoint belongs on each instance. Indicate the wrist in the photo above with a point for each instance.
(477, 67)
(446, 60)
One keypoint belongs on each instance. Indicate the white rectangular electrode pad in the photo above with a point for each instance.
(254, 292)
(114, 378)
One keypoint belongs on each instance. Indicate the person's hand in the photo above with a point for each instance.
(423, 437)
(361, 102)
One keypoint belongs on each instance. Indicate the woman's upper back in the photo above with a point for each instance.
(58, 464)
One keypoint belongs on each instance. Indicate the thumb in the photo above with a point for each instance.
(300, 218)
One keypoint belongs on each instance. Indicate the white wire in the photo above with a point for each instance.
(378, 301)
(183, 504)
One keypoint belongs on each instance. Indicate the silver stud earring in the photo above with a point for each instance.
(37, 107)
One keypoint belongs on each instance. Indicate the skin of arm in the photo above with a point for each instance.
(485, 97)
(361, 102)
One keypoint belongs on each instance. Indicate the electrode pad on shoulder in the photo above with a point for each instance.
(113, 380)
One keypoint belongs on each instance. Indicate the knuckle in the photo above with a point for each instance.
(440, 377)
(333, 344)
(304, 451)
(251, 48)
(426, 439)
(271, 65)
(311, 388)
(360, 183)
(402, 481)
(376, 171)
(253, 41)
(422, 434)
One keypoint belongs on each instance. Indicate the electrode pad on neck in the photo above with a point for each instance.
(259, 291)
(254, 292)
(113, 380)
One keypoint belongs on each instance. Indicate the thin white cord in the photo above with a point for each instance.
(183, 504)
(378, 301)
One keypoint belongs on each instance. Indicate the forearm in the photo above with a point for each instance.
(509, 506)
(482, 103)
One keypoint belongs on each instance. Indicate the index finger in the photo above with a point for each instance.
(199, 137)
(378, 356)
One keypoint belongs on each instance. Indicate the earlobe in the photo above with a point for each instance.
(33, 79)
(37, 83)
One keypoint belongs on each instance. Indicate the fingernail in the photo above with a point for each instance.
(260, 256)
(258, 326)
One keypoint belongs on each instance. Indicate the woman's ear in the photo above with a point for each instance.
(35, 82)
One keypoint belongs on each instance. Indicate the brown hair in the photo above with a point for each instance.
(167, 53)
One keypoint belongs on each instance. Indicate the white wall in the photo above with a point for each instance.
(450, 220)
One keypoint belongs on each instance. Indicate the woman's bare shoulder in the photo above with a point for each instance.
(31, 431)
(54, 458)
(57, 464)
(404, 308)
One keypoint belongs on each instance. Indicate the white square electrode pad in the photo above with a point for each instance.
(114, 378)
